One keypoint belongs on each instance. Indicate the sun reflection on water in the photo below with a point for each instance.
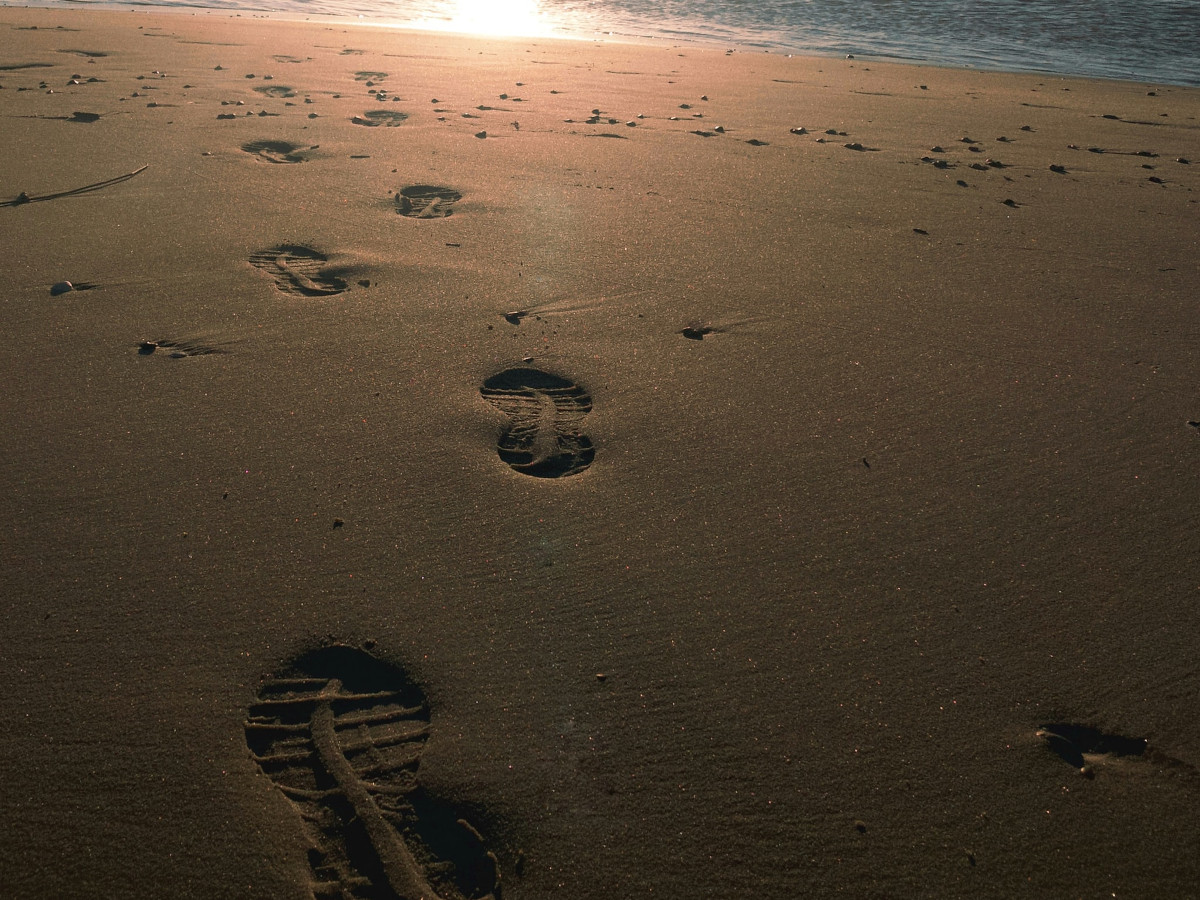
(493, 17)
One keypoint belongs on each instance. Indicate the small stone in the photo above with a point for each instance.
(720, 129)
(61, 287)
(481, 134)
(1061, 170)
(800, 129)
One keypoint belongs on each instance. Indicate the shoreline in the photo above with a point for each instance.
(746, 42)
(435, 462)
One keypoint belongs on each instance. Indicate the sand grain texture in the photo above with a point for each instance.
(873, 513)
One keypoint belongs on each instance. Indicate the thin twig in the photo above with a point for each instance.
(23, 197)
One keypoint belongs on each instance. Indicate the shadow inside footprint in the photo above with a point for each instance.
(426, 201)
(542, 437)
(341, 733)
(299, 270)
(1071, 742)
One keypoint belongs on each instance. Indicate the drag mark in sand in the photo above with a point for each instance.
(542, 437)
(426, 201)
(23, 198)
(340, 733)
(299, 270)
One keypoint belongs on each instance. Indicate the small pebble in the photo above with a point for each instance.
(481, 134)
(61, 287)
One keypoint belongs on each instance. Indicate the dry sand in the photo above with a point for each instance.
(730, 512)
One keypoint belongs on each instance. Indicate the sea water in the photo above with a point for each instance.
(1142, 40)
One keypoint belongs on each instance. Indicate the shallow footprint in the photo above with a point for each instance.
(426, 201)
(340, 733)
(299, 270)
(376, 117)
(542, 438)
(276, 90)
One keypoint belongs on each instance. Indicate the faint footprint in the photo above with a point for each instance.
(426, 201)
(340, 733)
(176, 349)
(374, 117)
(542, 438)
(299, 270)
(276, 90)
(277, 151)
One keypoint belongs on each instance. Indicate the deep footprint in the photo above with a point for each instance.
(426, 201)
(277, 151)
(299, 270)
(1078, 744)
(543, 438)
(340, 733)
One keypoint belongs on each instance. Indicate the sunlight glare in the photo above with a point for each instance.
(499, 17)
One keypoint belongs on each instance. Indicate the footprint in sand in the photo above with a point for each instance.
(1079, 745)
(340, 733)
(426, 201)
(376, 117)
(277, 151)
(176, 349)
(276, 90)
(1089, 749)
(542, 438)
(299, 270)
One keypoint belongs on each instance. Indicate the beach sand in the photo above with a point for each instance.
(743, 513)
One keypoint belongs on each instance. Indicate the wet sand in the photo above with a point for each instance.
(704, 474)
